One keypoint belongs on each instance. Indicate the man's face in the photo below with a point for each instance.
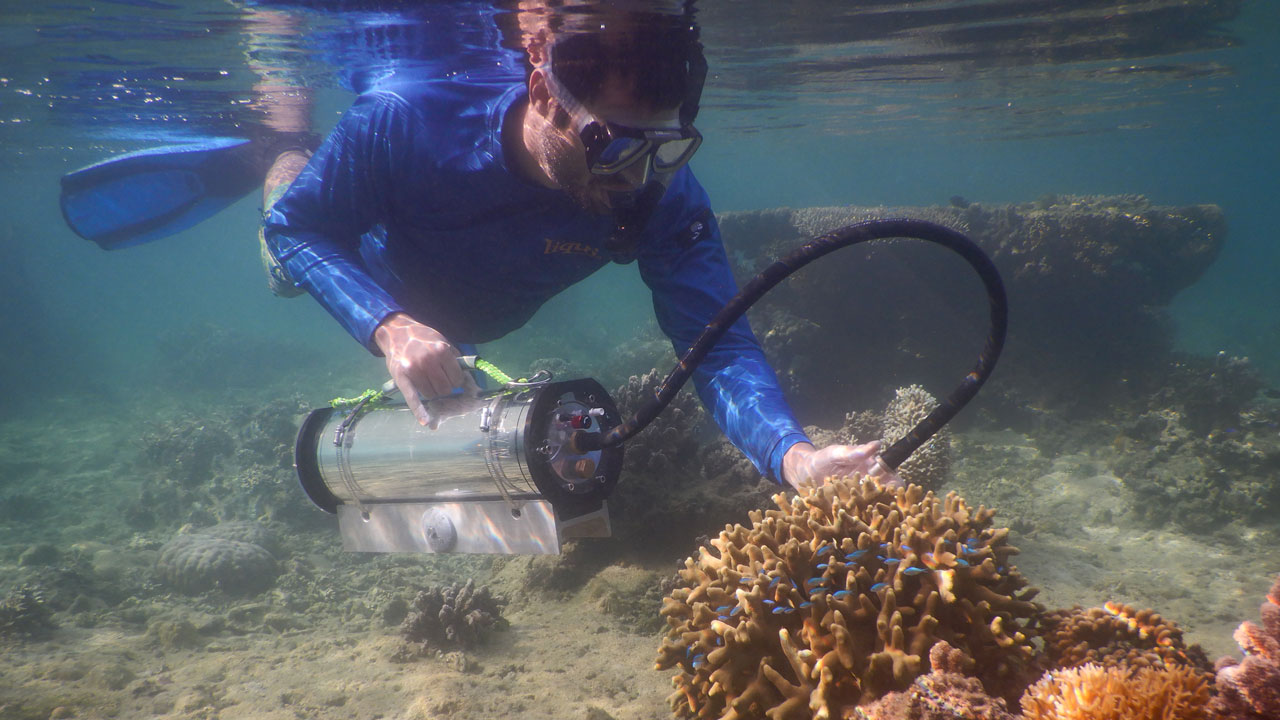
(558, 149)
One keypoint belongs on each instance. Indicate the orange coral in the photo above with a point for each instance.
(1093, 692)
(1117, 635)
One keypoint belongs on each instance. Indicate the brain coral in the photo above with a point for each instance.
(1117, 635)
(837, 596)
(1092, 692)
(204, 561)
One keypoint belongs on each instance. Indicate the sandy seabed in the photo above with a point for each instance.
(563, 656)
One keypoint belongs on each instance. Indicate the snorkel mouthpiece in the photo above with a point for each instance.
(631, 213)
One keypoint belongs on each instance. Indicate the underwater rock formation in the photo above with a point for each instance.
(1202, 450)
(1250, 689)
(452, 617)
(836, 598)
(1092, 692)
(949, 692)
(930, 464)
(1087, 278)
(1117, 635)
(216, 558)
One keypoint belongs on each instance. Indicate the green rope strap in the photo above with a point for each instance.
(492, 371)
(368, 397)
(373, 398)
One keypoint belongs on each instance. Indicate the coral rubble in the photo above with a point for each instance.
(215, 559)
(836, 598)
(452, 617)
(1250, 689)
(1117, 635)
(1093, 692)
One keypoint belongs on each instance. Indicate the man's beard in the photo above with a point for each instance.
(562, 163)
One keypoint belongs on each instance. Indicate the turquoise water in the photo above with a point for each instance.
(108, 356)
(1192, 126)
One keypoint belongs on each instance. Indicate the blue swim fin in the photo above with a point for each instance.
(149, 194)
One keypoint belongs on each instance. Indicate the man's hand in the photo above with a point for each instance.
(421, 362)
(805, 466)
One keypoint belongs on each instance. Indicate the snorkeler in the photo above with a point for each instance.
(446, 208)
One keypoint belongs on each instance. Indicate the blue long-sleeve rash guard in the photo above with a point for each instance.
(409, 206)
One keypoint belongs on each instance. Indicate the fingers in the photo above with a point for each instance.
(411, 397)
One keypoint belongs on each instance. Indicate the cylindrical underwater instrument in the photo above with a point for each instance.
(496, 474)
(519, 469)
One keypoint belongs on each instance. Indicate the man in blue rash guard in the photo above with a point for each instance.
(446, 211)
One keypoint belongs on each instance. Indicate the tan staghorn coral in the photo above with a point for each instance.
(1093, 692)
(1117, 635)
(1250, 690)
(836, 597)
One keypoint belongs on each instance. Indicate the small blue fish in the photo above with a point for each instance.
(961, 562)
(879, 586)
(816, 592)
(971, 542)
(782, 609)
(914, 570)
(826, 549)
(806, 604)
(841, 594)
(775, 582)
(815, 581)
(722, 618)
(723, 608)
(745, 580)
(699, 661)
(906, 548)
(767, 601)
(891, 561)
(856, 554)
(735, 611)
(823, 566)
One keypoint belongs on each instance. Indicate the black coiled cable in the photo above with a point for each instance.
(894, 455)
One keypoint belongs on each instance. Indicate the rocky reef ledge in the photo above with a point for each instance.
(1087, 278)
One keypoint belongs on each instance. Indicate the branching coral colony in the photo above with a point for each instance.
(836, 598)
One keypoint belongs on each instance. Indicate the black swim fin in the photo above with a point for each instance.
(149, 194)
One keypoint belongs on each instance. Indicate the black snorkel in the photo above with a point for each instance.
(632, 210)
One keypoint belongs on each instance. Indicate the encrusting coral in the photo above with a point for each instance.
(835, 599)
(1117, 635)
(1250, 689)
(1093, 692)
